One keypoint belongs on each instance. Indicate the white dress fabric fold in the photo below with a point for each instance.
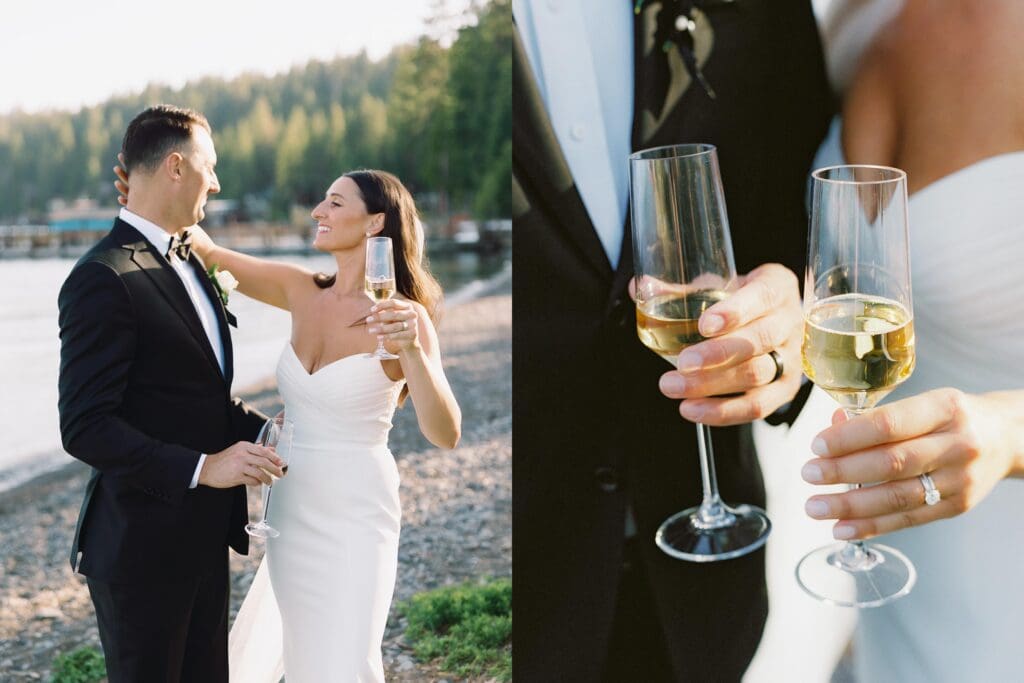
(963, 620)
(254, 644)
(332, 570)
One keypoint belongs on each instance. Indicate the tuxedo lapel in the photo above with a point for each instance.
(221, 313)
(538, 161)
(167, 282)
(624, 271)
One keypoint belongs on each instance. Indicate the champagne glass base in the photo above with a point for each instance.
(879, 576)
(684, 537)
(261, 530)
(382, 355)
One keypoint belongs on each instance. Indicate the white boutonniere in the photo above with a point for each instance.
(225, 283)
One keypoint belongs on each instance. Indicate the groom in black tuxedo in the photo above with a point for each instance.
(145, 380)
(601, 456)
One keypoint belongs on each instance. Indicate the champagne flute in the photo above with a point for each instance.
(682, 256)
(858, 345)
(276, 433)
(380, 281)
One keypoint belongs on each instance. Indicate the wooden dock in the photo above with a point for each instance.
(259, 239)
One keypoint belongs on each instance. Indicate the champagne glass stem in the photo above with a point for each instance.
(266, 501)
(712, 512)
(855, 555)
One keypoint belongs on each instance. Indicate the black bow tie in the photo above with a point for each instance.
(180, 246)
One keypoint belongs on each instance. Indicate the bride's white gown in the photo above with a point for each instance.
(322, 594)
(963, 620)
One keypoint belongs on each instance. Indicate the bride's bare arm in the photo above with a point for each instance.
(264, 280)
(406, 325)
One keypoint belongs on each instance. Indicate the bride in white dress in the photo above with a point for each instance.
(928, 97)
(320, 600)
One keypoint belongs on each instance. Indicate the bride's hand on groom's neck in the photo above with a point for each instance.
(121, 181)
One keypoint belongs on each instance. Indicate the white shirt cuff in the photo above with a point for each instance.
(199, 468)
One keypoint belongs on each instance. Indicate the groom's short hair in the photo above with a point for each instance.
(156, 132)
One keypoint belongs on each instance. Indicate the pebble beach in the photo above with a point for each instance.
(456, 507)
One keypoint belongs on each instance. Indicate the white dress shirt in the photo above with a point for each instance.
(161, 240)
(581, 52)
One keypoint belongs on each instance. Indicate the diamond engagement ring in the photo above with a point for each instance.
(405, 325)
(931, 494)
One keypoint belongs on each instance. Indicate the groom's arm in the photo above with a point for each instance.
(98, 341)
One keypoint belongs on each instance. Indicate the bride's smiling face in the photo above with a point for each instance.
(342, 221)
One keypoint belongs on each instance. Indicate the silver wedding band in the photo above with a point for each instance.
(931, 494)
(779, 368)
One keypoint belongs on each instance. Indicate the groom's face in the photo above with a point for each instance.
(199, 179)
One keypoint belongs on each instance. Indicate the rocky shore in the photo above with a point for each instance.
(456, 526)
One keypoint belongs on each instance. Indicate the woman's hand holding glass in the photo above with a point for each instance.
(966, 443)
(396, 321)
(729, 378)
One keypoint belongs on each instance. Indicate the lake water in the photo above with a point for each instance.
(30, 348)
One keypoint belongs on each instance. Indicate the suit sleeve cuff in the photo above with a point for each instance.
(788, 413)
(199, 468)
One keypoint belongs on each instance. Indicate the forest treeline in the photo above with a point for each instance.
(438, 117)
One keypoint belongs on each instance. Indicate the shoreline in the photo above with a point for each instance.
(447, 498)
(255, 393)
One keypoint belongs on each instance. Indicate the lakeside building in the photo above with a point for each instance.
(72, 226)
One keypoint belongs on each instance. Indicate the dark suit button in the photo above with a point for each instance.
(607, 479)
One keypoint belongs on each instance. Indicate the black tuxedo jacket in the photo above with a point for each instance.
(592, 431)
(141, 396)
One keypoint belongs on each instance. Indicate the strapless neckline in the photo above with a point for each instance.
(336, 361)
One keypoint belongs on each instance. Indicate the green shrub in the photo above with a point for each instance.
(468, 627)
(84, 665)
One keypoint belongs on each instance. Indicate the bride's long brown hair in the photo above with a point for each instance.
(383, 192)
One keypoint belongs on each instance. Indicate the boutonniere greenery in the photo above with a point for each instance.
(225, 283)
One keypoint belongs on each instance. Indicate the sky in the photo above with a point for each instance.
(65, 54)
